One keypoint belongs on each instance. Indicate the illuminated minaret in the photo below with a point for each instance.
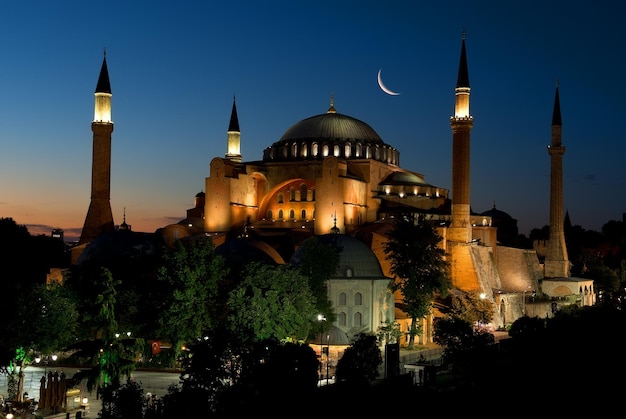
(234, 137)
(556, 263)
(99, 216)
(460, 230)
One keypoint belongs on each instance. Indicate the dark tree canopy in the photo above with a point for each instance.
(418, 263)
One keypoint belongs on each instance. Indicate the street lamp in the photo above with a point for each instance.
(321, 318)
(524, 301)
(327, 355)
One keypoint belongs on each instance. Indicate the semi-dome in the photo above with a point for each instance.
(331, 134)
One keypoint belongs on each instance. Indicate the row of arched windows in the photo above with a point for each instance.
(342, 298)
(281, 214)
(293, 194)
(342, 319)
(347, 150)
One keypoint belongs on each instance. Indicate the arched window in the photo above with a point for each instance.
(358, 319)
(336, 151)
(346, 150)
(303, 214)
(342, 298)
(303, 150)
(358, 299)
(341, 319)
(294, 150)
(358, 150)
(292, 194)
(292, 214)
(281, 198)
(315, 150)
(303, 192)
(349, 272)
(280, 214)
(325, 150)
(269, 214)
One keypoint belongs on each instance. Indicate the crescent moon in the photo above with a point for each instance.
(383, 87)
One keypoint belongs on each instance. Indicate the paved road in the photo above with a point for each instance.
(154, 382)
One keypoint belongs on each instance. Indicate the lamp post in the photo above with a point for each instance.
(327, 355)
(524, 301)
(321, 318)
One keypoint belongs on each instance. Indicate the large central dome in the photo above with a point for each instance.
(331, 134)
(332, 126)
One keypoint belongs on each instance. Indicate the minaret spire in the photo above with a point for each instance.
(556, 263)
(461, 123)
(233, 152)
(99, 218)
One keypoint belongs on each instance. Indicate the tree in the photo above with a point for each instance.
(469, 306)
(272, 302)
(361, 360)
(318, 261)
(419, 265)
(389, 332)
(44, 322)
(190, 275)
(110, 354)
(123, 402)
(465, 348)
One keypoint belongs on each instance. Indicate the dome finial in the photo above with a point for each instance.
(335, 229)
(124, 226)
(332, 104)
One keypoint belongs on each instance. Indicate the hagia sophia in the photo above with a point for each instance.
(332, 174)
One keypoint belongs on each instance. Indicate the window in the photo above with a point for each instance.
(269, 214)
(358, 319)
(342, 298)
(292, 214)
(292, 194)
(303, 192)
(303, 214)
(281, 198)
(349, 272)
(341, 319)
(358, 299)
(280, 214)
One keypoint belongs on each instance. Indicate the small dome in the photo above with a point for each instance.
(120, 245)
(404, 178)
(356, 260)
(496, 214)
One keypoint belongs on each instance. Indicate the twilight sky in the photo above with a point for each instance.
(175, 67)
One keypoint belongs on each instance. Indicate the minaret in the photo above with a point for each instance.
(99, 216)
(460, 230)
(556, 263)
(234, 137)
